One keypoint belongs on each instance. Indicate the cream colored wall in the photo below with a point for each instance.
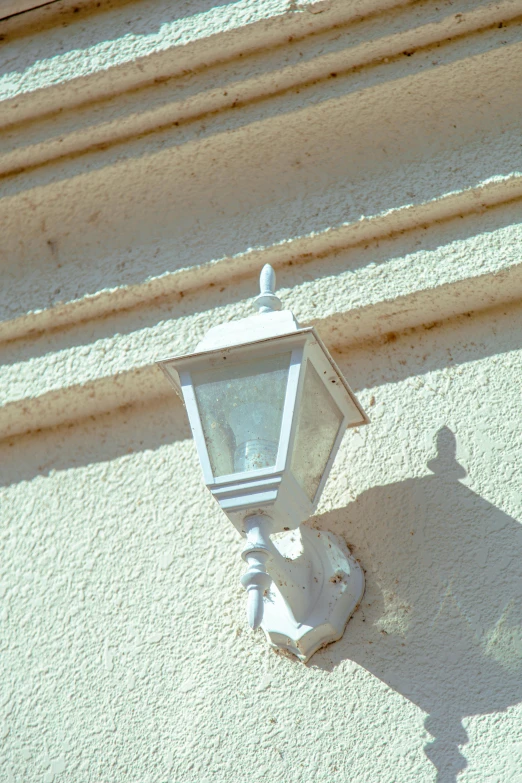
(126, 651)
(371, 152)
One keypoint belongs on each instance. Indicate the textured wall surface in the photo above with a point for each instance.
(125, 647)
(153, 156)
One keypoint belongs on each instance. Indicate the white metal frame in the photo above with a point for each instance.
(272, 490)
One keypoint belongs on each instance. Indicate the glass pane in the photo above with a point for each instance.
(241, 409)
(317, 427)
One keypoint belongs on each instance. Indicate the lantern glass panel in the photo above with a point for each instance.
(318, 423)
(241, 410)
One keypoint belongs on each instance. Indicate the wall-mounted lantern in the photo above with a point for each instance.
(268, 408)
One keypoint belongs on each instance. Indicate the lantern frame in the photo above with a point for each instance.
(273, 490)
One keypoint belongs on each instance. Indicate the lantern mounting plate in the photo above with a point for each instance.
(341, 587)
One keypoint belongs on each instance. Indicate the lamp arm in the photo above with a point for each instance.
(266, 565)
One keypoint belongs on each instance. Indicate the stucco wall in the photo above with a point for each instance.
(153, 156)
(126, 649)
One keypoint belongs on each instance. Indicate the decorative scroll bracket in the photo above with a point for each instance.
(302, 590)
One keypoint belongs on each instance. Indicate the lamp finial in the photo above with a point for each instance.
(267, 301)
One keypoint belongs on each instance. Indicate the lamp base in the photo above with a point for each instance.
(332, 593)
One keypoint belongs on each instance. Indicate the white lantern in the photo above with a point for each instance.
(268, 408)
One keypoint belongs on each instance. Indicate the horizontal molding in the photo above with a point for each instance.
(60, 377)
(129, 46)
(10, 7)
(371, 98)
(350, 261)
(144, 384)
(297, 250)
(62, 126)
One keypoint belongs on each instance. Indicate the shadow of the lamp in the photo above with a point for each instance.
(441, 622)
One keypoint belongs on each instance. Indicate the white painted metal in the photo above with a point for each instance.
(195, 424)
(301, 591)
(256, 580)
(239, 493)
(292, 391)
(309, 610)
(267, 301)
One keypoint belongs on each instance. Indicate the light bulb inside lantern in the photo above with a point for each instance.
(256, 431)
(241, 410)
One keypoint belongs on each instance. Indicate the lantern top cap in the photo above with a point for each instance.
(267, 301)
(270, 321)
